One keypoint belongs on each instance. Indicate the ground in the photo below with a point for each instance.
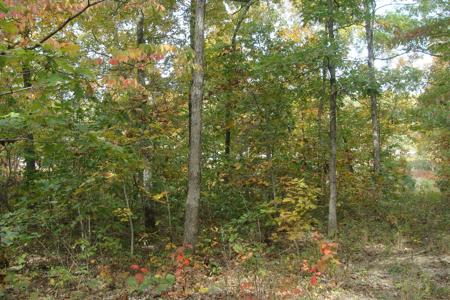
(403, 256)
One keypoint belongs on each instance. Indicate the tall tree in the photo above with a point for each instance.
(332, 218)
(196, 99)
(30, 153)
(149, 211)
(369, 8)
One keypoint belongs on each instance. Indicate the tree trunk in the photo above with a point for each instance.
(149, 211)
(30, 153)
(332, 218)
(192, 44)
(194, 177)
(369, 6)
(321, 163)
(140, 41)
(228, 106)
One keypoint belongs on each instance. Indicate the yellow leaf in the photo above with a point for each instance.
(159, 196)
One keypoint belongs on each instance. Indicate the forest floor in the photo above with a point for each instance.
(409, 261)
(401, 274)
(384, 274)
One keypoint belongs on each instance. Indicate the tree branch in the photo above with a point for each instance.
(15, 91)
(11, 140)
(239, 23)
(64, 24)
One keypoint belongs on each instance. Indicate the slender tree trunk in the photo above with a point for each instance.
(369, 6)
(332, 218)
(130, 220)
(192, 44)
(30, 153)
(193, 197)
(149, 211)
(228, 106)
(140, 41)
(322, 165)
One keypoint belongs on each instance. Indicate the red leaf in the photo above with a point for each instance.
(186, 262)
(134, 267)
(114, 61)
(139, 277)
(180, 257)
(313, 280)
(145, 270)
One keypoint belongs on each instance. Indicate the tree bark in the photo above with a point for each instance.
(149, 210)
(332, 218)
(30, 153)
(369, 6)
(192, 44)
(194, 177)
(321, 164)
(140, 41)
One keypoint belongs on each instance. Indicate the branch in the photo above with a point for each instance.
(15, 91)
(394, 4)
(64, 24)
(11, 140)
(393, 56)
(239, 23)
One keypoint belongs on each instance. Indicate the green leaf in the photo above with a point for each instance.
(3, 7)
(8, 26)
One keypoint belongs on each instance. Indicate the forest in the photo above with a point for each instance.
(224, 149)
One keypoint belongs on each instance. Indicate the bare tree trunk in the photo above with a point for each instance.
(332, 218)
(194, 177)
(369, 6)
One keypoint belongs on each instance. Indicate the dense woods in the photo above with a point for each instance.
(235, 149)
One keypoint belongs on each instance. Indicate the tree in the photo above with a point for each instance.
(195, 149)
(332, 218)
(369, 7)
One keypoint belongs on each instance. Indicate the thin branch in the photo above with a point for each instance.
(64, 24)
(239, 23)
(15, 91)
(393, 56)
(12, 140)
(394, 4)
